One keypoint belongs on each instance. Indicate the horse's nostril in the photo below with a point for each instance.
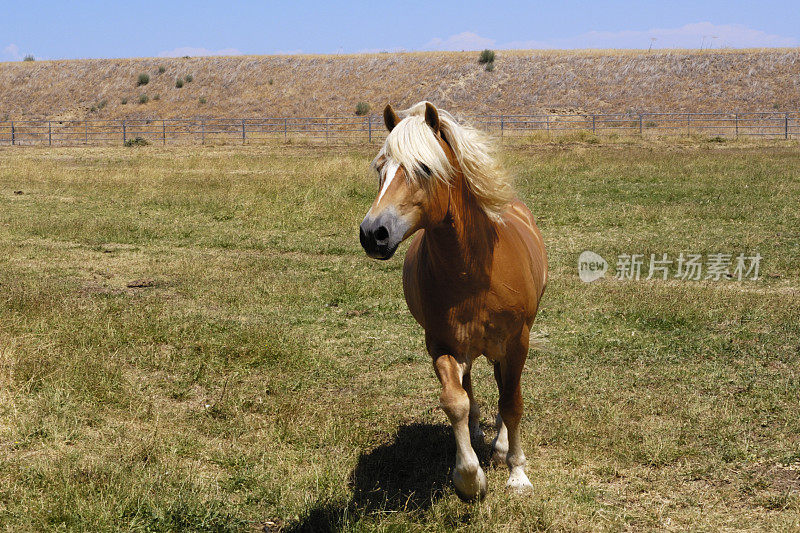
(381, 234)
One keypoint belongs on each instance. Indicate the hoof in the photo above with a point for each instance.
(518, 482)
(470, 486)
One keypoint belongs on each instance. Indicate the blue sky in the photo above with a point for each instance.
(79, 29)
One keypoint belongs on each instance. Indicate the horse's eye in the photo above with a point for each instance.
(425, 169)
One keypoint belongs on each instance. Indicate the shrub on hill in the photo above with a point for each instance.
(137, 141)
(362, 108)
(487, 56)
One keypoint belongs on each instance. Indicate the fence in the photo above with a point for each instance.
(779, 125)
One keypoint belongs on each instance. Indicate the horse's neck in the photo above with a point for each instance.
(463, 243)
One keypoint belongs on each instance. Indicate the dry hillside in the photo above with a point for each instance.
(522, 82)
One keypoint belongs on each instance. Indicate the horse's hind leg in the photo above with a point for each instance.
(468, 476)
(500, 442)
(511, 412)
(475, 430)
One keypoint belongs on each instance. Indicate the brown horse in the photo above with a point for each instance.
(473, 275)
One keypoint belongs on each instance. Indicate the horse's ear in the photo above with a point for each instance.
(390, 117)
(432, 117)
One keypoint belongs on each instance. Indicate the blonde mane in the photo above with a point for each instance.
(413, 145)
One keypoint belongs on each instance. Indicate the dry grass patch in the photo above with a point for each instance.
(528, 81)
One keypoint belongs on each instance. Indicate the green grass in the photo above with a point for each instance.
(191, 339)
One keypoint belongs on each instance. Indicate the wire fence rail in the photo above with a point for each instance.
(778, 125)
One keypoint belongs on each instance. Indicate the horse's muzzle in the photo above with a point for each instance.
(381, 236)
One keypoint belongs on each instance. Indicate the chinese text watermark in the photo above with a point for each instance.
(686, 266)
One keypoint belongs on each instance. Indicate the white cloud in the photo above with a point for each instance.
(394, 50)
(694, 35)
(466, 40)
(11, 53)
(192, 51)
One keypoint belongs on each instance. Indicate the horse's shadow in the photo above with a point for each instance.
(408, 474)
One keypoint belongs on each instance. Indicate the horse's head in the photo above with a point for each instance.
(414, 168)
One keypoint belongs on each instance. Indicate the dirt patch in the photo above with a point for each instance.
(142, 283)
(778, 477)
(93, 288)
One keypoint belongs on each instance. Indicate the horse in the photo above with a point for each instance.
(473, 275)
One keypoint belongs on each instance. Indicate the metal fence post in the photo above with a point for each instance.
(13, 140)
(786, 125)
(244, 135)
(593, 120)
(688, 123)
(124, 132)
(49, 133)
(85, 131)
(285, 127)
(640, 123)
(548, 125)
(164, 132)
(202, 132)
(369, 127)
(502, 126)
(736, 121)
(326, 129)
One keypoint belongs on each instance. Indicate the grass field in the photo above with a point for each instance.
(192, 339)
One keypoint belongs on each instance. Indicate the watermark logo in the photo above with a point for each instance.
(690, 267)
(591, 266)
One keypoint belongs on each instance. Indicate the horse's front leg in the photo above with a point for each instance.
(468, 476)
(510, 407)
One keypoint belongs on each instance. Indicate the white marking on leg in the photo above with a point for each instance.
(500, 443)
(468, 476)
(517, 481)
(391, 170)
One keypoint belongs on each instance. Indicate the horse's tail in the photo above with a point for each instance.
(540, 342)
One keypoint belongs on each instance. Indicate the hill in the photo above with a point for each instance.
(523, 82)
